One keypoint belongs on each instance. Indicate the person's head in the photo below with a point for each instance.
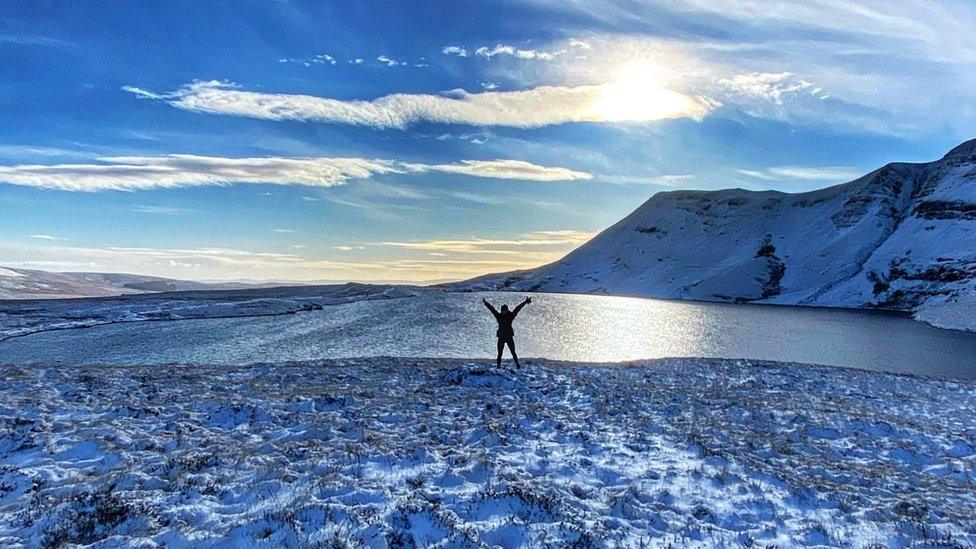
(504, 308)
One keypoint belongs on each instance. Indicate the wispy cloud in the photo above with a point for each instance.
(807, 173)
(508, 169)
(577, 43)
(771, 87)
(33, 40)
(504, 49)
(664, 180)
(320, 59)
(45, 237)
(235, 264)
(838, 65)
(284, 231)
(151, 172)
(530, 108)
(509, 50)
(560, 239)
(162, 210)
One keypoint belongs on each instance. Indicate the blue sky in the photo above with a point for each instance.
(372, 141)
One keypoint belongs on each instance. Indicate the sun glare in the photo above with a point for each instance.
(638, 94)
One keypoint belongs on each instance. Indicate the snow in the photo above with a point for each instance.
(387, 452)
(35, 284)
(959, 313)
(902, 237)
(20, 318)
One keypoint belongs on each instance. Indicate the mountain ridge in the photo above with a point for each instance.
(900, 237)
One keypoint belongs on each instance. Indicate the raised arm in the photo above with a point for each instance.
(490, 308)
(523, 304)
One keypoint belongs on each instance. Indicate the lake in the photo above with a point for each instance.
(556, 326)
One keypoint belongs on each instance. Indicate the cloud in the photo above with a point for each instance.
(133, 173)
(20, 151)
(45, 237)
(503, 49)
(389, 61)
(672, 180)
(515, 51)
(903, 68)
(454, 50)
(825, 173)
(475, 138)
(558, 240)
(530, 108)
(220, 263)
(576, 43)
(508, 169)
(664, 180)
(180, 170)
(145, 94)
(807, 173)
(34, 40)
(163, 210)
(320, 59)
(771, 87)
(284, 231)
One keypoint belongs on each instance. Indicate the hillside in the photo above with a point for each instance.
(902, 237)
(34, 284)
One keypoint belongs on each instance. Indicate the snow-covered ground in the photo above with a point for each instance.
(388, 451)
(19, 318)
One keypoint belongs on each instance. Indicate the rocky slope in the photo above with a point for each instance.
(902, 237)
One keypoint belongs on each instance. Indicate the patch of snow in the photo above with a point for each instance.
(958, 313)
(393, 452)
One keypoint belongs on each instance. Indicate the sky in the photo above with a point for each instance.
(384, 141)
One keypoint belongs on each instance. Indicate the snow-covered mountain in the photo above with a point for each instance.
(33, 284)
(902, 237)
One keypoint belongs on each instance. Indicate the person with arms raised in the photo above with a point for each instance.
(505, 332)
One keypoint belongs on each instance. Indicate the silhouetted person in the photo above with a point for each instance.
(505, 333)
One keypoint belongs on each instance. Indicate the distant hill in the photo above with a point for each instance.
(902, 237)
(33, 284)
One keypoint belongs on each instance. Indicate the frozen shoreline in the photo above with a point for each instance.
(381, 450)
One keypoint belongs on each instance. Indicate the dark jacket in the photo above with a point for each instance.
(505, 319)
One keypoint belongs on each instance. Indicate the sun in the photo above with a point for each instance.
(638, 93)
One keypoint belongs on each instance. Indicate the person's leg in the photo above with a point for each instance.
(511, 347)
(501, 347)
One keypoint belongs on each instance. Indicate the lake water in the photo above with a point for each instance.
(555, 326)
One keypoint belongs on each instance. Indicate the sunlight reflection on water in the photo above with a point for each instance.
(556, 326)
